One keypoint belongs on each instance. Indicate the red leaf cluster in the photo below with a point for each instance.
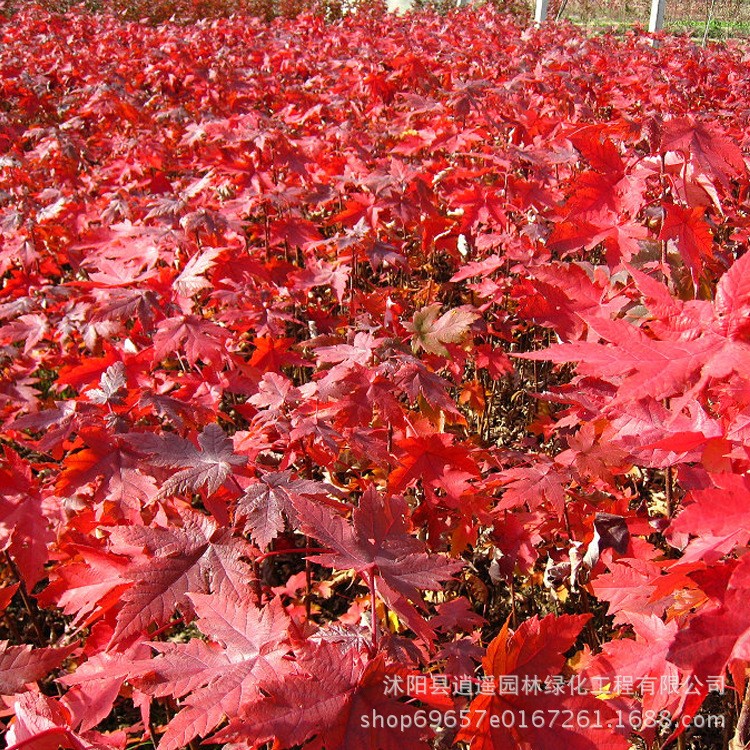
(351, 371)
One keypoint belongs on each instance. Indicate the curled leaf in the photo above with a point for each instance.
(432, 333)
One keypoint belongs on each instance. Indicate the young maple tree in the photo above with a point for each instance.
(379, 383)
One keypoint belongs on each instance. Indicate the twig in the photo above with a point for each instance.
(668, 495)
(41, 640)
(741, 739)
(373, 610)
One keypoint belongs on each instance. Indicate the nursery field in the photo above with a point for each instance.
(380, 383)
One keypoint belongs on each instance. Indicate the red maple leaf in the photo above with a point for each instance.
(198, 339)
(111, 384)
(532, 485)
(630, 588)
(43, 723)
(627, 662)
(690, 344)
(717, 517)
(712, 152)
(377, 545)
(111, 469)
(273, 352)
(89, 585)
(24, 529)
(96, 684)
(534, 652)
(209, 466)
(718, 635)
(266, 502)
(22, 664)
(331, 703)
(415, 379)
(434, 458)
(691, 234)
(197, 557)
(220, 677)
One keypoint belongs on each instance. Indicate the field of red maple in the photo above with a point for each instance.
(375, 384)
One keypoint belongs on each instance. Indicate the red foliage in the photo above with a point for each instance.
(334, 355)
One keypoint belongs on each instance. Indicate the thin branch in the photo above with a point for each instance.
(31, 611)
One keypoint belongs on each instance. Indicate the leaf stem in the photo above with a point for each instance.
(373, 610)
(164, 628)
(308, 581)
(300, 551)
(741, 738)
(257, 588)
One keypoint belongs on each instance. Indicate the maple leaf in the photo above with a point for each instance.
(294, 230)
(532, 485)
(44, 723)
(96, 684)
(718, 517)
(732, 301)
(695, 343)
(88, 586)
(272, 352)
(266, 502)
(221, 677)
(111, 383)
(30, 329)
(657, 436)
(595, 197)
(649, 367)
(199, 340)
(598, 150)
(198, 557)
(713, 153)
(210, 466)
(415, 380)
(719, 633)
(376, 543)
(493, 360)
(435, 459)
(534, 651)
(81, 373)
(191, 279)
(432, 333)
(330, 702)
(630, 588)
(273, 391)
(641, 658)
(347, 356)
(24, 530)
(456, 614)
(691, 234)
(22, 664)
(111, 469)
(478, 268)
